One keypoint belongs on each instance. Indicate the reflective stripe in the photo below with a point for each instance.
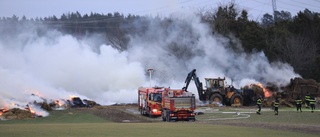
(276, 104)
(307, 97)
(259, 101)
(298, 101)
(312, 101)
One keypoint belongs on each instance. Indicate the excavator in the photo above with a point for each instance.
(217, 92)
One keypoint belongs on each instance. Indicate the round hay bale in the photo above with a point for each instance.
(46, 106)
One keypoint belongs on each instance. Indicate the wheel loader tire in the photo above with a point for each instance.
(236, 99)
(216, 98)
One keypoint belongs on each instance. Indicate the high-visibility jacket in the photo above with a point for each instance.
(276, 104)
(307, 97)
(259, 101)
(312, 101)
(298, 101)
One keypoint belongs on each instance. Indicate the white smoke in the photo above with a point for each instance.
(200, 49)
(56, 66)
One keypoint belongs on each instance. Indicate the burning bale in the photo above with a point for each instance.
(16, 113)
(297, 87)
(39, 107)
(258, 90)
(91, 103)
(76, 102)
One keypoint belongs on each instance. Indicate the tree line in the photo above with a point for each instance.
(282, 37)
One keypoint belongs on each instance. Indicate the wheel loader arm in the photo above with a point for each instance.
(193, 75)
(188, 79)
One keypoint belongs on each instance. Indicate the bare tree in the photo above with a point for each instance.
(301, 53)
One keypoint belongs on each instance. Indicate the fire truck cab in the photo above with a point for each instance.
(170, 104)
(150, 100)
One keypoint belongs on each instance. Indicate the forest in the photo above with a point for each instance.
(282, 37)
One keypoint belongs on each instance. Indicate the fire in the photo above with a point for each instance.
(2, 110)
(37, 111)
(32, 111)
(59, 103)
(72, 96)
(266, 92)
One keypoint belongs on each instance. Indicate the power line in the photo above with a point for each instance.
(293, 5)
(256, 8)
(307, 4)
(310, 6)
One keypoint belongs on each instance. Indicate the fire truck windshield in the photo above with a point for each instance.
(157, 97)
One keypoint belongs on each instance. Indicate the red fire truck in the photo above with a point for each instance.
(170, 104)
(149, 100)
(178, 104)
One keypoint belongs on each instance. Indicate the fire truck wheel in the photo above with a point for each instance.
(150, 114)
(216, 98)
(192, 119)
(163, 115)
(168, 115)
(141, 111)
(236, 99)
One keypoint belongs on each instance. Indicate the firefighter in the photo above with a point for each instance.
(259, 102)
(298, 104)
(276, 106)
(307, 98)
(312, 102)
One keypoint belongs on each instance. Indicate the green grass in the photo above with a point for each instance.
(137, 130)
(74, 123)
(286, 116)
(61, 116)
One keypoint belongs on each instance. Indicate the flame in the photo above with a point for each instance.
(72, 96)
(59, 103)
(32, 111)
(2, 110)
(266, 92)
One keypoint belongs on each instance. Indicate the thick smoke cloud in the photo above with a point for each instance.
(55, 66)
(195, 47)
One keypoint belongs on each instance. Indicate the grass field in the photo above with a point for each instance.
(137, 129)
(286, 116)
(75, 123)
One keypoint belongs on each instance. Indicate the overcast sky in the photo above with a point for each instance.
(45, 8)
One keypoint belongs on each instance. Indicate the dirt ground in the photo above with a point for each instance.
(129, 113)
(119, 113)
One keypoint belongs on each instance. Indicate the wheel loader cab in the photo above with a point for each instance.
(214, 83)
(215, 90)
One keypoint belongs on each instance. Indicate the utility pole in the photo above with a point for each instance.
(274, 7)
(150, 70)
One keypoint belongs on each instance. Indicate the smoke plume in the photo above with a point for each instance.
(54, 65)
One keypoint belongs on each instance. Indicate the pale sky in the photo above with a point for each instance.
(45, 8)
